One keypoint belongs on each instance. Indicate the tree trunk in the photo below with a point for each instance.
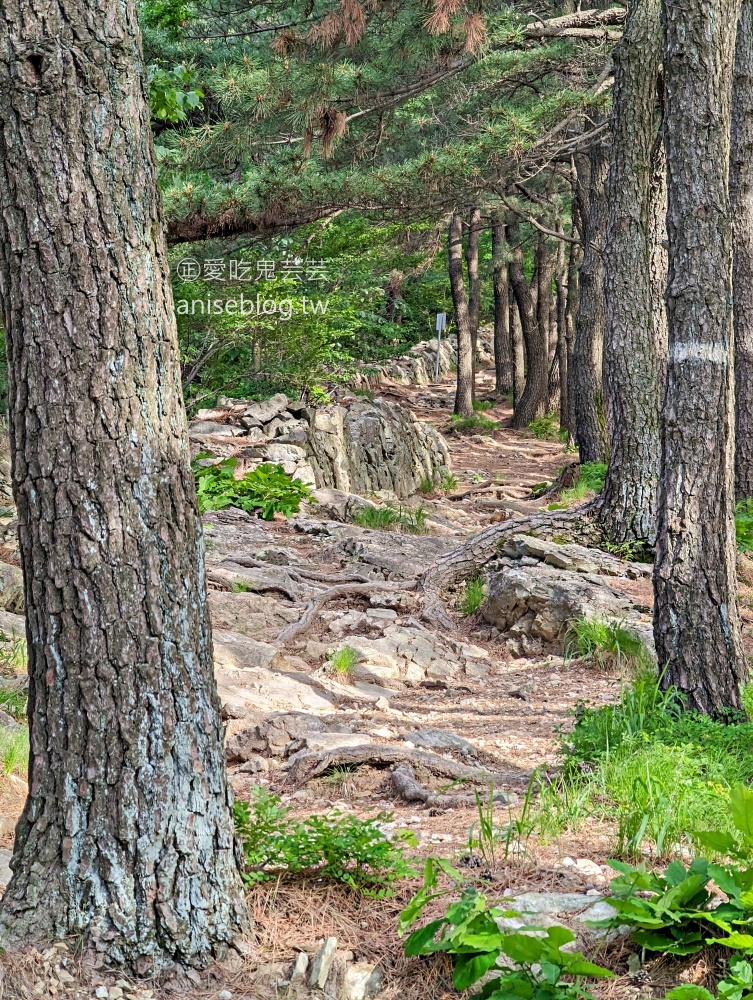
(474, 288)
(636, 273)
(571, 312)
(544, 275)
(502, 338)
(464, 391)
(741, 198)
(534, 398)
(562, 352)
(518, 348)
(588, 393)
(696, 623)
(127, 836)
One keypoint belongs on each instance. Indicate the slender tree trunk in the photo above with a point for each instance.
(571, 312)
(636, 273)
(588, 392)
(474, 287)
(544, 275)
(560, 279)
(696, 623)
(502, 338)
(741, 199)
(518, 348)
(534, 398)
(126, 839)
(464, 391)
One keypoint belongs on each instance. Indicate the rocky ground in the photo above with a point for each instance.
(422, 716)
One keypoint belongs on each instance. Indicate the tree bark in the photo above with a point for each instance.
(562, 351)
(518, 347)
(503, 362)
(741, 200)
(464, 390)
(126, 839)
(474, 288)
(696, 623)
(636, 273)
(588, 392)
(534, 398)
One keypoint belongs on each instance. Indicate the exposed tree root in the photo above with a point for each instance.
(409, 788)
(580, 525)
(311, 765)
(344, 590)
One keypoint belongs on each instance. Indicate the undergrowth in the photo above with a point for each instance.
(390, 518)
(592, 477)
(266, 490)
(342, 661)
(334, 846)
(744, 525)
(611, 643)
(471, 425)
(473, 596)
(14, 750)
(547, 428)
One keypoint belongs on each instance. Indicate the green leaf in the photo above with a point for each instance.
(741, 809)
(743, 942)
(421, 942)
(689, 991)
(470, 968)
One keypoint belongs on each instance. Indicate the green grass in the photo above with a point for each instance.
(610, 643)
(482, 405)
(343, 660)
(427, 485)
(14, 702)
(240, 587)
(660, 772)
(471, 425)
(547, 428)
(14, 750)
(473, 596)
(389, 518)
(449, 481)
(744, 525)
(592, 476)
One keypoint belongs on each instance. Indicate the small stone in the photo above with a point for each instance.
(301, 965)
(65, 978)
(101, 993)
(382, 703)
(114, 993)
(322, 963)
(224, 995)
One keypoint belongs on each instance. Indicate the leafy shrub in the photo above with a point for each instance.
(471, 425)
(608, 642)
(267, 489)
(338, 847)
(482, 405)
(737, 985)
(468, 932)
(473, 596)
(592, 477)
(449, 481)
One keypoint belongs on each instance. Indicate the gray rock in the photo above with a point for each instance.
(438, 739)
(322, 963)
(361, 981)
(5, 872)
(268, 410)
(339, 505)
(12, 590)
(299, 969)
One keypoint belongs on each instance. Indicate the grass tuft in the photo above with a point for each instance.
(473, 596)
(343, 660)
(471, 425)
(389, 518)
(610, 643)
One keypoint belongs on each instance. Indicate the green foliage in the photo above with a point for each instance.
(267, 489)
(744, 525)
(471, 425)
(473, 596)
(609, 642)
(13, 653)
(592, 476)
(335, 846)
(14, 701)
(468, 932)
(343, 660)
(547, 428)
(171, 93)
(482, 405)
(240, 587)
(389, 517)
(449, 481)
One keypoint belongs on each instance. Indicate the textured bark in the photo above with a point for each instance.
(587, 388)
(696, 623)
(126, 839)
(534, 398)
(464, 391)
(562, 351)
(571, 311)
(636, 273)
(518, 348)
(741, 200)
(502, 335)
(544, 271)
(474, 288)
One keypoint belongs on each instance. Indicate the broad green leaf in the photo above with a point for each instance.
(470, 968)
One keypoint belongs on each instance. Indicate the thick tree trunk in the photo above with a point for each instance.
(588, 392)
(696, 623)
(518, 347)
(502, 334)
(464, 391)
(741, 199)
(636, 273)
(474, 287)
(534, 398)
(126, 839)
